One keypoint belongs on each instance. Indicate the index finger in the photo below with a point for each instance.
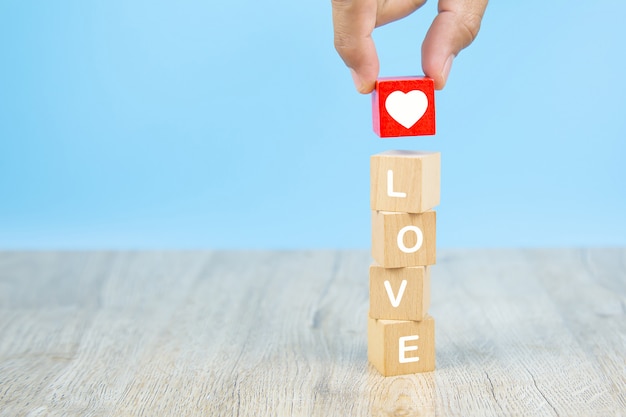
(353, 22)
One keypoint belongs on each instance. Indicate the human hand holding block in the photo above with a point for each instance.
(454, 28)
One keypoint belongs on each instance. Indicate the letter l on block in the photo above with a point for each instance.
(390, 191)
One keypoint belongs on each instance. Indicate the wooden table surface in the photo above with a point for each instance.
(223, 333)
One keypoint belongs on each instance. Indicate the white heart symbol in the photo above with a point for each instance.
(408, 108)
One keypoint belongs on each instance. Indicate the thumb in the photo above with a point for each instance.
(455, 27)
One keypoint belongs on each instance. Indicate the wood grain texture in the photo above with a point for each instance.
(519, 332)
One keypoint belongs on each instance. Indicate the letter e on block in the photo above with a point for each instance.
(401, 347)
(405, 181)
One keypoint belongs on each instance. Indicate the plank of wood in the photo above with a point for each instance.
(521, 332)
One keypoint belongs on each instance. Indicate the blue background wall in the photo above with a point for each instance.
(203, 124)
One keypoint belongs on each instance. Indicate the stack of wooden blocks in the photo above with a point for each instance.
(405, 187)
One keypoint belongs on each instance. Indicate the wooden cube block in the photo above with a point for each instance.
(403, 239)
(401, 347)
(399, 293)
(405, 181)
(404, 106)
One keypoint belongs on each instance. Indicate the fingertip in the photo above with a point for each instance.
(367, 88)
(436, 62)
(362, 60)
(438, 71)
(362, 85)
(445, 72)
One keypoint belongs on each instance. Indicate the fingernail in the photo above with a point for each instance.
(446, 68)
(357, 80)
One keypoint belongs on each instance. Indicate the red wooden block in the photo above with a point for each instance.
(404, 106)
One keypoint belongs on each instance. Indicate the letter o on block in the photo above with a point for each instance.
(418, 243)
(403, 239)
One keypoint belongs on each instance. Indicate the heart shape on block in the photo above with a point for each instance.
(408, 108)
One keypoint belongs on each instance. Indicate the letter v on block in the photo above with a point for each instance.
(395, 301)
(399, 293)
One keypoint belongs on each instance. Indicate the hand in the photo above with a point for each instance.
(454, 28)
